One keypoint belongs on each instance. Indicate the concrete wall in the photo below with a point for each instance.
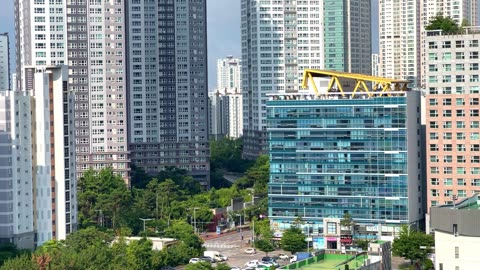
(445, 246)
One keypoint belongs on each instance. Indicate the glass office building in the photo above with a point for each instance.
(335, 155)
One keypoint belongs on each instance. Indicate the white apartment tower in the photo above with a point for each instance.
(16, 185)
(53, 153)
(88, 36)
(4, 62)
(167, 82)
(402, 34)
(280, 39)
(229, 73)
(225, 114)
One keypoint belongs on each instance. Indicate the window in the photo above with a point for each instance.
(433, 113)
(433, 101)
(461, 170)
(434, 170)
(475, 147)
(460, 101)
(434, 159)
(433, 136)
(331, 228)
(447, 124)
(459, 67)
(447, 136)
(447, 159)
(475, 159)
(475, 136)
(447, 181)
(460, 113)
(433, 124)
(474, 66)
(461, 159)
(474, 101)
(457, 251)
(447, 56)
(447, 193)
(447, 170)
(447, 147)
(459, 55)
(474, 55)
(460, 136)
(461, 147)
(433, 147)
(434, 192)
(447, 101)
(474, 112)
(461, 182)
(460, 124)
(475, 124)
(447, 113)
(434, 182)
(476, 182)
(462, 193)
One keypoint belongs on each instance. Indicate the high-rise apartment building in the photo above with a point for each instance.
(402, 34)
(280, 39)
(168, 95)
(357, 154)
(4, 62)
(16, 185)
(89, 36)
(37, 161)
(53, 149)
(375, 65)
(452, 116)
(229, 73)
(225, 114)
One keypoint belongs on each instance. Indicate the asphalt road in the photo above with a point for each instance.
(232, 246)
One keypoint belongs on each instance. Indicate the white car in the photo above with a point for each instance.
(250, 251)
(283, 256)
(253, 263)
(267, 264)
(194, 260)
(235, 268)
(293, 258)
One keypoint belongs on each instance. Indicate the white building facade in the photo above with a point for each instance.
(280, 39)
(16, 184)
(53, 153)
(225, 114)
(88, 36)
(4, 62)
(402, 25)
(229, 73)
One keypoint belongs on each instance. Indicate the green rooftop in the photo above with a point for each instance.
(329, 262)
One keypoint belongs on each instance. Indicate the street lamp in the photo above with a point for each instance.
(144, 220)
(241, 234)
(194, 219)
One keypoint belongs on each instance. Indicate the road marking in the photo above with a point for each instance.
(213, 245)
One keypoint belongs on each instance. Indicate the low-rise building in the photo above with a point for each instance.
(457, 234)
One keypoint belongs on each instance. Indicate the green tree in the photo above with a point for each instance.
(446, 24)
(222, 266)
(264, 245)
(256, 176)
(408, 244)
(293, 240)
(139, 254)
(101, 197)
(8, 251)
(347, 222)
(182, 231)
(199, 266)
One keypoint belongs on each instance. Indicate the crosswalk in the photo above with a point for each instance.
(219, 246)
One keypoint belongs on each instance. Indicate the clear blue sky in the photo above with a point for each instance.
(223, 31)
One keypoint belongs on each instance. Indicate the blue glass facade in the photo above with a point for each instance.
(332, 156)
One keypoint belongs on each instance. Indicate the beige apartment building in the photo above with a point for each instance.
(452, 116)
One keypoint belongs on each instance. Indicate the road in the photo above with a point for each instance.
(232, 246)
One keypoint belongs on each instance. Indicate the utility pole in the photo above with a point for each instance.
(253, 232)
(194, 219)
(144, 220)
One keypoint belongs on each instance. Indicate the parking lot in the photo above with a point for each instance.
(232, 246)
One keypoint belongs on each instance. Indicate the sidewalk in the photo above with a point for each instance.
(214, 235)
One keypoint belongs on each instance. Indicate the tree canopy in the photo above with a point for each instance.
(293, 240)
(446, 24)
(408, 244)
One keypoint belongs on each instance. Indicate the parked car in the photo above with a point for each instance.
(250, 251)
(283, 256)
(269, 261)
(253, 263)
(266, 264)
(194, 260)
(235, 268)
(207, 259)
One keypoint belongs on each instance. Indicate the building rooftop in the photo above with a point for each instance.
(466, 204)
